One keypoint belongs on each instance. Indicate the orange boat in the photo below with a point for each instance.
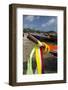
(52, 47)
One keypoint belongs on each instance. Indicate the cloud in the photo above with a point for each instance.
(43, 25)
(25, 25)
(29, 18)
(50, 22)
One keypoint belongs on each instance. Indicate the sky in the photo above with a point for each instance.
(42, 23)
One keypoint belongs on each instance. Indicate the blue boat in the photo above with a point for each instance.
(45, 38)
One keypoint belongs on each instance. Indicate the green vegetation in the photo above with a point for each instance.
(25, 30)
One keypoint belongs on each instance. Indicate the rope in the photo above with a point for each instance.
(29, 64)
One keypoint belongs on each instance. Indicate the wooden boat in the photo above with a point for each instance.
(53, 47)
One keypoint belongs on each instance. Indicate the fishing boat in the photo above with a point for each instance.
(49, 59)
(47, 38)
